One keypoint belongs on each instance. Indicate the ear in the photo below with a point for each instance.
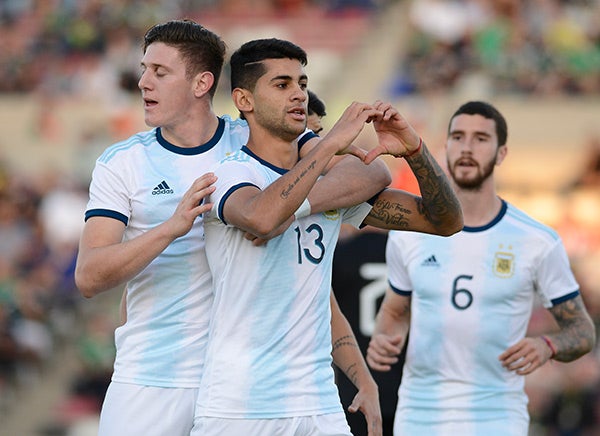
(501, 154)
(203, 83)
(243, 100)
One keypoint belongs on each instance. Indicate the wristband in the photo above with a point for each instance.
(303, 210)
(415, 151)
(550, 345)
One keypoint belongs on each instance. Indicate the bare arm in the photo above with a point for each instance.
(104, 260)
(576, 336)
(437, 211)
(246, 207)
(391, 330)
(123, 308)
(346, 182)
(348, 357)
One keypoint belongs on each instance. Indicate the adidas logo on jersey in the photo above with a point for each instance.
(162, 188)
(430, 261)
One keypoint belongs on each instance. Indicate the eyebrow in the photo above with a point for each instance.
(477, 132)
(288, 78)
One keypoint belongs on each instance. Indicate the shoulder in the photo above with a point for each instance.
(529, 225)
(236, 126)
(403, 241)
(123, 148)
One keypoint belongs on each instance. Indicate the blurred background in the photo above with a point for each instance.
(68, 89)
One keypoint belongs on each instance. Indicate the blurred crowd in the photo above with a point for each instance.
(72, 48)
(41, 311)
(536, 47)
(90, 49)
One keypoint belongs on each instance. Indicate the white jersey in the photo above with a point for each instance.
(472, 297)
(270, 335)
(140, 181)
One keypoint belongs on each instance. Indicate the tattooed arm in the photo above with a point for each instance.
(576, 336)
(438, 211)
(348, 357)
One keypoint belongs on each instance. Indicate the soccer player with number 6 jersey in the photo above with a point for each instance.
(466, 301)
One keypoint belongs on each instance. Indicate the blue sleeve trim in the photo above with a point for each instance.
(400, 291)
(106, 213)
(565, 298)
(226, 196)
(305, 138)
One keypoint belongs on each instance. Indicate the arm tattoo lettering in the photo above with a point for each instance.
(287, 191)
(390, 214)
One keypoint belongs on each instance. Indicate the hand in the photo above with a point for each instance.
(383, 351)
(192, 205)
(349, 126)
(256, 241)
(367, 401)
(395, 135)
(526, 356)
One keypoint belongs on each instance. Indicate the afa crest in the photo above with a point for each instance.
(504, 264)
(332, 215)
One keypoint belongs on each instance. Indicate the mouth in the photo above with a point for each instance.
(298, 113)
(465, 163)
(148, 103)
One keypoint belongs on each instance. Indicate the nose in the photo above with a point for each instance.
(467, 144)
(143, 82)
(300, 94)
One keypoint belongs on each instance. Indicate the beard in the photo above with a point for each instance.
(472, 182)
(278, 126)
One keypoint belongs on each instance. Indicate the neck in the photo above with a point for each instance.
(195, 130)
(277, 151)
(479, 207)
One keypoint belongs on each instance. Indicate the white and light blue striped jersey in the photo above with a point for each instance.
(140, 181)
(270, 337)
(472, 296)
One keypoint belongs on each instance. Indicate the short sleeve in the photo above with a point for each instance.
(398, 276)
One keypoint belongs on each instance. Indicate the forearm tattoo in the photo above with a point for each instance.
(347, 340)
(391, 214)
(577, 334)
(351, 370)
(438, 200)
(289, 188)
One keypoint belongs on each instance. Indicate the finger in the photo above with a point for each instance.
(258, 242)
(354, 407)
(356, 151)
(202, 208)
(511, 354)
(377, 364)
(198, 197)
(390, 113)
(372, 155)
(385, 346)
(204, 180)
